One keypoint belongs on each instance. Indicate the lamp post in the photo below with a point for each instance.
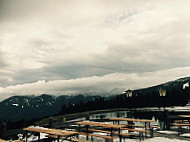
(129, 94)
(162, 93)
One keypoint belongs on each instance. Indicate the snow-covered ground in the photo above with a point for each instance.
(161, 139)
(155, 139)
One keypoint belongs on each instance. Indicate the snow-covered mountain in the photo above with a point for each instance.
(30, 107)
(171, 86)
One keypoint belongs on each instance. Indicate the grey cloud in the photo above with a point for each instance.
(58, 72)
(45, 43)
(2, 60)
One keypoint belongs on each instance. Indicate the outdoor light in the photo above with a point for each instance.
(129, 93)
(162, 92)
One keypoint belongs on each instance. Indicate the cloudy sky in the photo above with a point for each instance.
(86, 46)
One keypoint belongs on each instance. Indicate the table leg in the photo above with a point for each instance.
(79, 128)
(120, 138)
(151, 130)
(39, 137)
(111, 132)
(58, 137)
(145, 129)
(87, 132)
(26, 136)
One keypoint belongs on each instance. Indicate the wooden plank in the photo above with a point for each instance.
(184, 116)
(178, 124)
(55, 137)
(1, 140)
(108, 132)
(142, 126)
(135, 130)
(96, 130)
(58, 132)
(114, 126)
(78, 140)
(64, 138)
(181, 121)
(100, 136)
(122, 134)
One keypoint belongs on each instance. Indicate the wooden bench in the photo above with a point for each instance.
(141, 132)
(64, 138)
(135, 130)
(180, 126)
(78, 140)
(54, 136)
(108, 132)
(181, 121)
(141, 126)
(102, 131)
(100, 136)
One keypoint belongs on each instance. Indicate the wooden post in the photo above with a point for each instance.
(167, 119)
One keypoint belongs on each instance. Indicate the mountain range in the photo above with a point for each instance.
(32, 107)
(17, 108)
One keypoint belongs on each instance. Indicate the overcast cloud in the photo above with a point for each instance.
(86, 46)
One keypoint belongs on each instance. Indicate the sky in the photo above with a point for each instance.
(63, 47)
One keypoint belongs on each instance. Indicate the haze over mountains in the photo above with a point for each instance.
(31, 107)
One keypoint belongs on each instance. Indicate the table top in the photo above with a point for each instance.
(182, 124)
(129, 119)
(104, 125)
(57, 132)
(184, 116)
(1, 140)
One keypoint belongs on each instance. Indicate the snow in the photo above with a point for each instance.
(35, 138)
(49, 103)
(185, 85)
(161, 139)
(185, 135)
(168, 132)
(155, 139)
(15, 104)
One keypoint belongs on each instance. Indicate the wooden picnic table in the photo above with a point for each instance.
(135, 120)
(184, 116)
(104, 125)
(1, 140)
(59, 133)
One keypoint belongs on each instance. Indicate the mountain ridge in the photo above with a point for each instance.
(29, 107)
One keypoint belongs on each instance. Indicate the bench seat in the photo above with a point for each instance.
(108, 132)
(135, 130)
(100, 136)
